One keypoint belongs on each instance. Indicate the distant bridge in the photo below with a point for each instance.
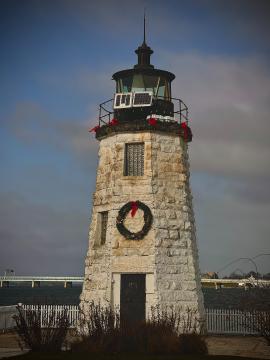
(246, 283)
(36, 281)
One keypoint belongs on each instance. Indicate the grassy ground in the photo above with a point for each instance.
(89, 356)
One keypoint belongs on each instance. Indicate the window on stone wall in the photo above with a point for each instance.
(134, 159)
(103, 226)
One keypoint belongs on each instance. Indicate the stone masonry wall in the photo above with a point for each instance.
(177, 264)
(168, 253)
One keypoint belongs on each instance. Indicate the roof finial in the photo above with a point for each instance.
(144, 26)
(144, 52)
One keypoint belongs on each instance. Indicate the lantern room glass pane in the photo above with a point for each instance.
(164, 89)
(158, 85)
(126, 84)
(119, 86)
(138, 83)
(150, 83)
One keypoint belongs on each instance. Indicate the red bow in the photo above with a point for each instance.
(185, 128)
(134, 208)
(114, 122)
(94, 129)
(152, 121)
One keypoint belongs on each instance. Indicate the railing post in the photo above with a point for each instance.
(180, 109)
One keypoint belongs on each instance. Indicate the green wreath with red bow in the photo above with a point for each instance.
(133, 206)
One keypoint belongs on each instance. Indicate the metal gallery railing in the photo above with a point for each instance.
(180, 113)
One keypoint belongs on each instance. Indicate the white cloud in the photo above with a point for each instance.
(38, 239)
(230, 159)
(32, 124)
(229, 108)
(229, 229)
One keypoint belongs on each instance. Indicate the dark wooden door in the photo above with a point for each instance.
(132, 298)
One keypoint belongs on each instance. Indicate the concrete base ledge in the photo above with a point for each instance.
(249, 346)
(9, 352)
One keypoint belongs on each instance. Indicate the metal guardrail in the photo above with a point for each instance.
(235, 281)
(218, 321)
(36, 280)
(106, 110)
(42, 278)
(79, 279)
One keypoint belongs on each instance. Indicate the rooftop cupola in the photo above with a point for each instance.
(144, 53)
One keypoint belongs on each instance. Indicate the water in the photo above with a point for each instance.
(226, 298)
(236, 298)
(43, 295)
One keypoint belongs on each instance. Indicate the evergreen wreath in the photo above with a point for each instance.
(148, 218)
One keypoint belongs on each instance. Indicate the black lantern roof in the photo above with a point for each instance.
(147, 71)
(143, 66)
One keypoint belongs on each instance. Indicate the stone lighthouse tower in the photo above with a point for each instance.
(142, 244)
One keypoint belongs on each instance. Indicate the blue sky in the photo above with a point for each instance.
(57, 58)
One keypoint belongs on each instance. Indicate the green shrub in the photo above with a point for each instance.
(158, 339)
(98, 330)
(192, 344)
(166, 332)
(43, 332)
(256, 308)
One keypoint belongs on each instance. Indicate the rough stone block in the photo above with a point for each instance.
(173, 234)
